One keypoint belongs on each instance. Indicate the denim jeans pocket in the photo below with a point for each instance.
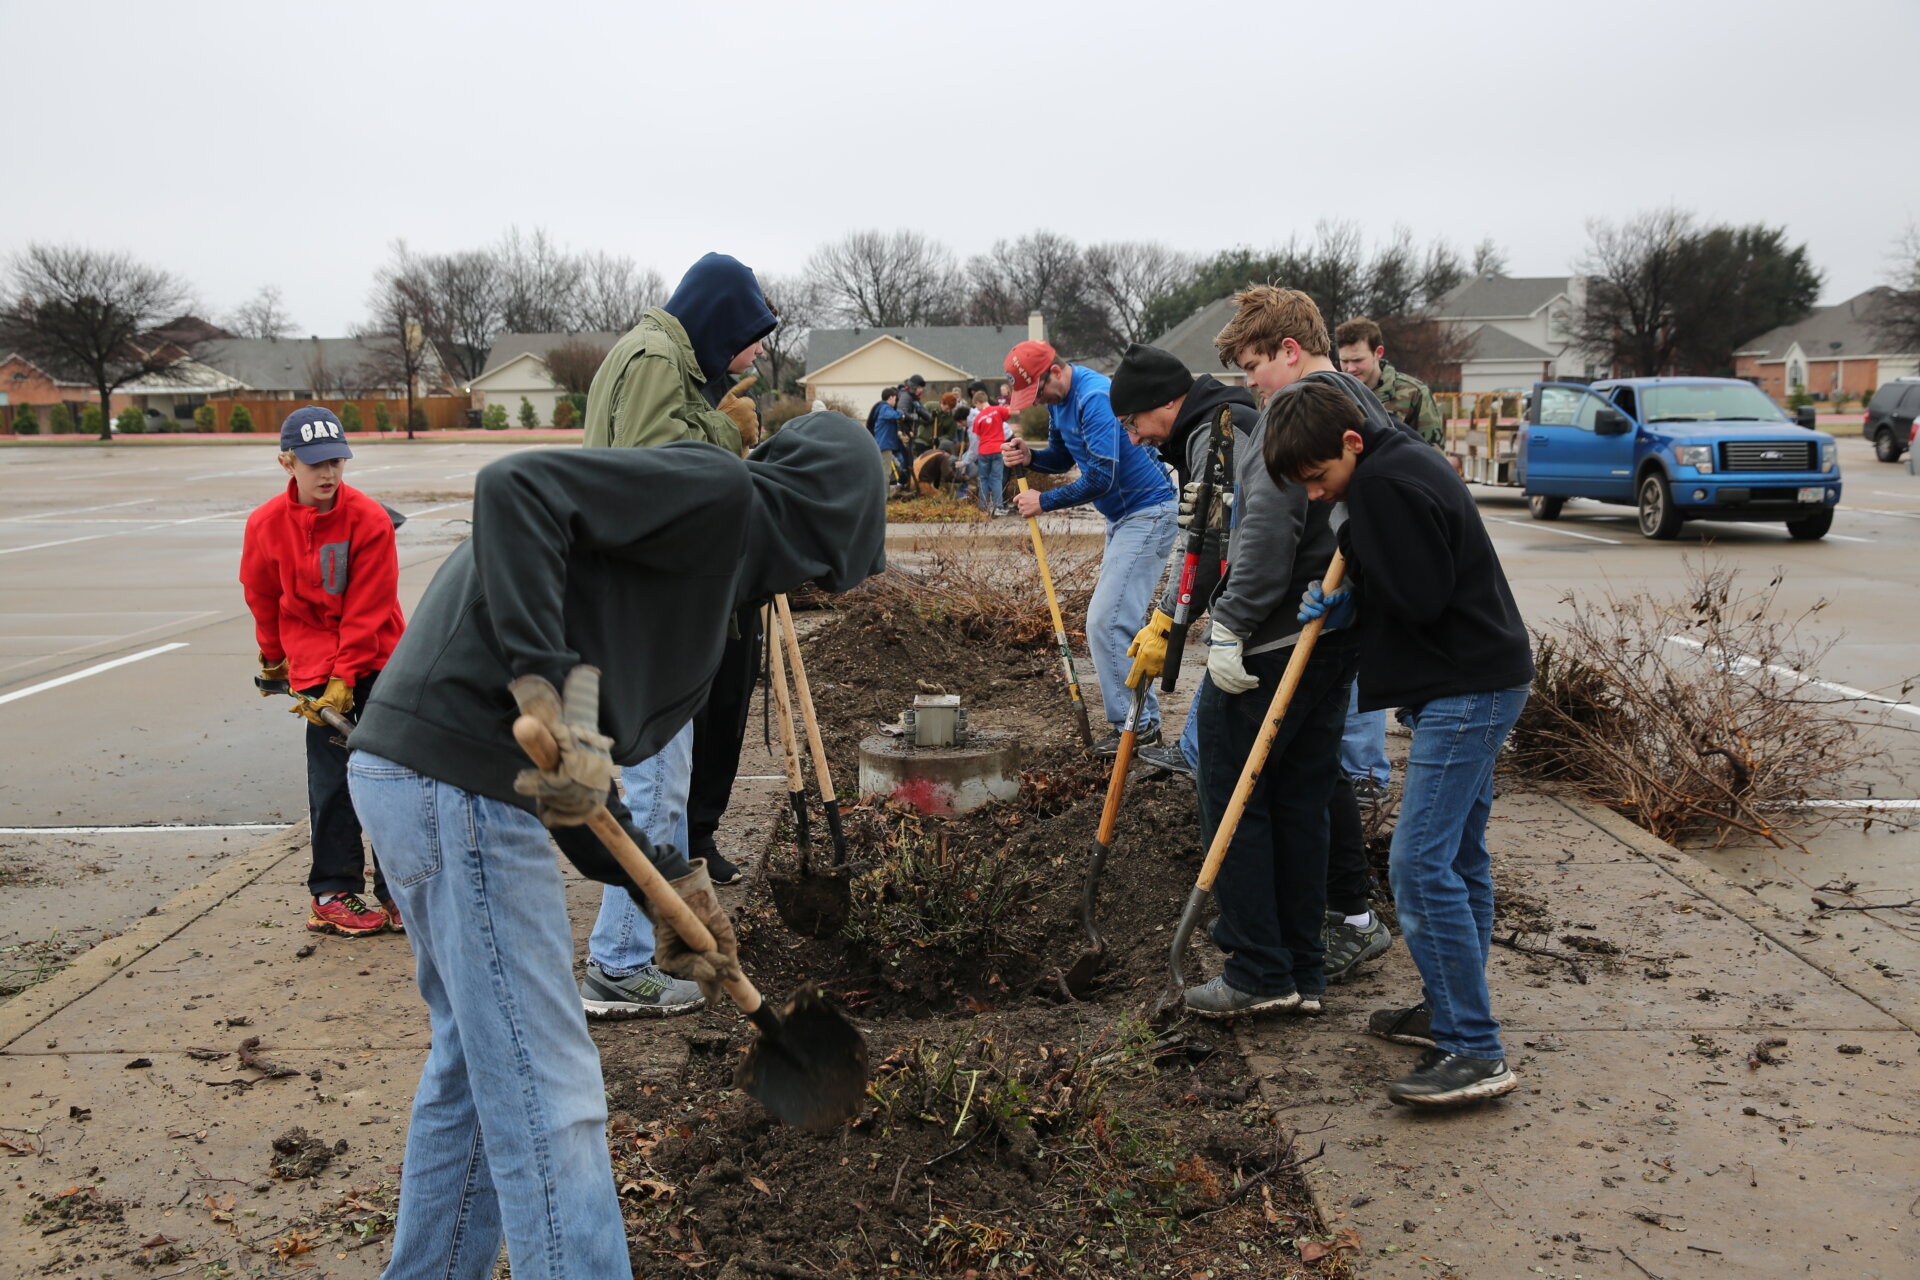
(398, 809)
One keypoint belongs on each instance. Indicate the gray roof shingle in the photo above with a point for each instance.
(1507, 297)
(1192, 339)
(1489, 343)
(511, 346)
(1848, 323)
(288, 364)
(978, 349)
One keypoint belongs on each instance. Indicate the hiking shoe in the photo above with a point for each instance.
(1349, 947)
(646, 994)
(1310, 1003)
(1403, 1026)
(1448, 1080)
(721, 871)
(347, 916)
(1368, 792)
(1217, 999)
(1110, 745)
(392, 910)
(1172, 759)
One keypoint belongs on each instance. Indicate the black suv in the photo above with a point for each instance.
(1890, 418)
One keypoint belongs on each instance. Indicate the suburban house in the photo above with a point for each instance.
(314, 368)
(1518, 330)
(517, 366)
(851, 367)
(24, 382)
(1192, 342)
(1835, 351)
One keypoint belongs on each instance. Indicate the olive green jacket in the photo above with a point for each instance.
(647, 392)
(1406, 398)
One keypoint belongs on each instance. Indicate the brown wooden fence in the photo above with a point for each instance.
(444, 413)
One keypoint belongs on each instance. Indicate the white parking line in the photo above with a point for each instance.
(1876, 511)
(1743, 663)
(459, 475)
(1565, 533)
(156, 826)
(1887, 493)
(95, 670)
(1841, 537)
(63, 542)
(1860, 804)
(448, 506)
(74, 511)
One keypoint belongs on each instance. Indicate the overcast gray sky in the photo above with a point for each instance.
(242, 144)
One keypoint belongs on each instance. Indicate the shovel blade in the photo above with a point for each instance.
(813, 906)
(1078, 980)
(812, 1072)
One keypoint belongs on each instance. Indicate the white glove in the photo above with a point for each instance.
(1190, 493)
(1224, 661)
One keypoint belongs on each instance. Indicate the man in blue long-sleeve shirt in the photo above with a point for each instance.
(1125, 483)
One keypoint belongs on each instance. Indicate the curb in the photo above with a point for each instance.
(36, 1004)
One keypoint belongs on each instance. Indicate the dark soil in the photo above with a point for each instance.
(298, 1154)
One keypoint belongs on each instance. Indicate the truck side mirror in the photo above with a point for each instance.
(1806, 417)
(1611, 422)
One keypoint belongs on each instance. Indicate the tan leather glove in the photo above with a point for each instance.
(670, 951)
(567, 794)
(737, 406)
(338, 695)
(1149, 650)
(272, 671)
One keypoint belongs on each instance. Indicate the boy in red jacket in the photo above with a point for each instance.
(322, 577)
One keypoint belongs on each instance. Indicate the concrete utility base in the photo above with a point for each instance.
(942, 779)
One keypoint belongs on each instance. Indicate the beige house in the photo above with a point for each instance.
(1519, 330)
(517, 366)
(851, 367)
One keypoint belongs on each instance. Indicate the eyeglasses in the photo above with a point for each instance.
(1126, 422)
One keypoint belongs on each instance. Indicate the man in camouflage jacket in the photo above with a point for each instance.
(1405, 397)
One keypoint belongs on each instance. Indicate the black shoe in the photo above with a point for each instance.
(1172, 759)
(1110, 745)
(721, 871)
(1448, 1080)
(1349, 947)
(1368, 792)
(1403, 1026)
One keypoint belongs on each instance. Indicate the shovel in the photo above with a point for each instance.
(1077, 981)
(1172, 998)
(335, 721)
(809, 1066)
(829, 798)
(1059, 625)
(814, 906)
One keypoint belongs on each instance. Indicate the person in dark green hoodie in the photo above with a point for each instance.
(606, 572)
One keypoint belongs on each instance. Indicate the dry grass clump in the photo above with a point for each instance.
(937, 509)
(976, 588)
(1689, 714)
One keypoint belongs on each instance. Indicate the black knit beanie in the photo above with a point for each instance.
(1146, 379)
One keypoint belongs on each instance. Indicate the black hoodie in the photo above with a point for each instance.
(631, 560)
(720, 305)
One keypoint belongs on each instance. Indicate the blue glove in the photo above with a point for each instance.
(1338, 609)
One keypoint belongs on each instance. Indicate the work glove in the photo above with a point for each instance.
(1338, 609)
(1149, 650)
(746, 417)
(338, 695)
(1226, 661)
(672, 953)
(567, 794)
(1190, 497)
(272, 671)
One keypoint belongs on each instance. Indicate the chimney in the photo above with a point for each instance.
(1036, 327)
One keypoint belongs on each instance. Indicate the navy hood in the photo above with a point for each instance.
(720, 305)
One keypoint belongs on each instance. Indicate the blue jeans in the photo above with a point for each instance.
(1190, 736)
(1441, 874)
(992, 472)
(622, 939)
(509, 1129)
(1136, 551)
(1363, 748)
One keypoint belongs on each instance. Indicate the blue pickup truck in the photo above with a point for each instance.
(1678, 449)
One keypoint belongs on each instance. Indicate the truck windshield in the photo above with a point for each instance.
(1709, 402)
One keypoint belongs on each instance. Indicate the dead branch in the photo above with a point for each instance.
(251, 1060)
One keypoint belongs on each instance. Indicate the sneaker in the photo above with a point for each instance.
(721, 871)
(1403, 1026)
(347, 916)
(1310, 1003)
(1449, 1080)
(1349, 947)
(1110, 745)
(1217, 999)
(1368, 792)
(648, 993)
(1172, 759)
(392, 910)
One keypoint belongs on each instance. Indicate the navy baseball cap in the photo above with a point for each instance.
(313, 434)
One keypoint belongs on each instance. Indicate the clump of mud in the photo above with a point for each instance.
(298, 1154)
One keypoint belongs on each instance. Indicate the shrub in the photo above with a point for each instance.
(240, 422)
(1798, 398)
(1866, 396)
(130, 422)
(495, 418)
(203, 418)
(382, 419)
(417, 418)
(59, 421)
(529, 416)
(563, 413)
(1034, 422)
(350, 418)
(781, 411)
(93, 420)
(24, 423)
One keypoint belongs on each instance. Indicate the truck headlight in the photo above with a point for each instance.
(1697, 456)
(1829, 457)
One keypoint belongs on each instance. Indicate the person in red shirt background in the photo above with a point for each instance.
(989, 426)
(322, 577)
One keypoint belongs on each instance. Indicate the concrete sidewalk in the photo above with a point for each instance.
(1642, 1142)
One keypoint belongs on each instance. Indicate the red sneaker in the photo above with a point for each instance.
(392, 909)
(347, 916)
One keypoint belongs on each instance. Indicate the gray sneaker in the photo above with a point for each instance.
(1172, 759)
(1403, 1026)
(647, 994)
(1349, 947)
(1216, 999)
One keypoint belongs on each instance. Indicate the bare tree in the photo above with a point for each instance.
(399, 308)
(466, 299)
(1127, 277)
(573, 363)
(1896, 311)
(264, 315)
(540, 283)
(615, 292)
(877, 279)
(1634, 278)
(73, 310)
(1489, 258)
(783, 355)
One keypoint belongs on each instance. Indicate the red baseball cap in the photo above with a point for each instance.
(1026, 364)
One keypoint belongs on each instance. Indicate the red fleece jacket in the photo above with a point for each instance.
(323, 587)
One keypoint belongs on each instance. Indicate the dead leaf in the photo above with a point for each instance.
(760, 1186)
(1313, 1251)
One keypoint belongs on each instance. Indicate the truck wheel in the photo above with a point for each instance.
(1658, 518)
(1885, 447)
(1813, 527)
(1545, 508)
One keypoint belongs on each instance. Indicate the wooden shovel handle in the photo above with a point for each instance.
(1046, 573)
(1276, 712)
(782, 701)
(821, 773)
(540, 748)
